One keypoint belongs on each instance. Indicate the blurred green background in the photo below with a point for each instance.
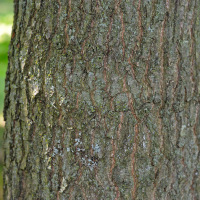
(6, 19)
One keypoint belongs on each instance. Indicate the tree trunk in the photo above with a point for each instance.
(102, 100)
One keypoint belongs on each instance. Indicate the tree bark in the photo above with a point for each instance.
(102, 100)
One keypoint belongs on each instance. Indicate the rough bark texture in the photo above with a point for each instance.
(102, 100)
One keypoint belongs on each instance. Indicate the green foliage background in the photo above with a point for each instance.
(6, 18)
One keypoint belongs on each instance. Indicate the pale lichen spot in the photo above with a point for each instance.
(69, 128)
(35, 90)
(63, 185)
(183, 130)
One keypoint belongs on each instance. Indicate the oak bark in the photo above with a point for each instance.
(102, 100)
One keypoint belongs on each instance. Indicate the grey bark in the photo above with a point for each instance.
(102, 100)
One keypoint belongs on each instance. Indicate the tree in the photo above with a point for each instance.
(102, 100)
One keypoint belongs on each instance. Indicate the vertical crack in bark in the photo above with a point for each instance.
(140, 35)
(120, 125)
(195, 128)
(66, 27)
(164, 60)
(146, 76)
(113, 161)
(133, 66)
(130, 100)
(105, 61)
(122, 32)
(90, 33)
(193, 51)
(134, 190)
(174, 20)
